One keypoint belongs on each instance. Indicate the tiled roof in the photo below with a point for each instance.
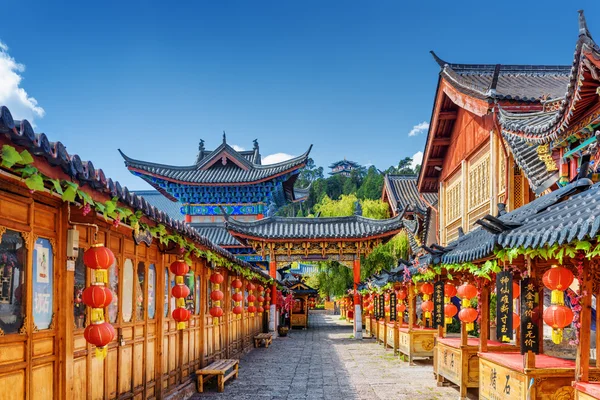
(353, 164)
(507, 82)
(158, 200)
(55, 154)
(403, 190)
(353, 227)
(217, 173)
(216, 233)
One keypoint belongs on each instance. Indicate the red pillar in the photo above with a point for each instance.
(357, 305)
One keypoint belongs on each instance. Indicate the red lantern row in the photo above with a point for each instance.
(467, 314)
(180, 291)
(216, 296)
(237, 296)
(261, 299)
(558, 316)
(97, 296)
(427, 305)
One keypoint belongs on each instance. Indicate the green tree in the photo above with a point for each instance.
(372, 185)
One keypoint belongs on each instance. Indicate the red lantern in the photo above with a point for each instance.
(99, 334)
(251, 286)
(449, 290)
(427, 308)
(216, 278)
(179, 268)
(261, 288)
(236, 284)
(251, 298)
(261, 299)
(251, 309)
(427, 288)
(261, 309)
(450, 311)
(558, 317)
(466, 291)
(237, 297)
(216, 312)
(400, 307)
(469, 316)
(516, 321)
(98, 257)
(558, 278)
(181, 314)
(386, 296)
(516, 290)
(216, 295)
(180, 291)
(97, 296)
(401, 294)
(237, 310)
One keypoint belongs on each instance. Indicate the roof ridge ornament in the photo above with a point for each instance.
(438, 60)
(224, 138)
(583, 29)
(201, 151)
(357, 208)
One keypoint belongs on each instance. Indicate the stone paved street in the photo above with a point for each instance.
(323, 362)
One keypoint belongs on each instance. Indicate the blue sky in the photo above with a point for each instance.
(352, 78)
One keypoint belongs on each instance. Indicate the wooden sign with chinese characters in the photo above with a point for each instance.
(499, 382)
(376, 306)
(381, 306)
(504, 306)
(438, 304)
(529, 307)
(393, 314)
(450, 362)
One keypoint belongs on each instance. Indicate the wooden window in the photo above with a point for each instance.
(127, 303)
(43, 284)
(198, 294)
(12, 281)
(151, 291)
(479, 182)
(113, 284)
(166, 299)
(189, 282)
(139, 292)
(79, 309)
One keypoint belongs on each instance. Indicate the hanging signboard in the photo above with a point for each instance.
(504, 306)
(376, 306)
(529, 316)
(381, 306)
(438, 304)
(393, 307)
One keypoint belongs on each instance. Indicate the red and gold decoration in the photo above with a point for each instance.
(216, 296)
(450, 310)
(261, 299)
(237, 297)
(400, 305)
(97, 296)
(251, 298)
(386, 308)
(427, 305)
(180, 291)
(467, 314)
(558, 316)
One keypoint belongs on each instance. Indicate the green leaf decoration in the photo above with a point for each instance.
(56, 186)
(86, 198)
(583, 245)
(10, 156)
(26, 158)
(35, 182)
(69, 194)
(27, 171)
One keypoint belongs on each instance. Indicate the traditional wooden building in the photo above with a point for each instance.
(343, 167)
(53, 206)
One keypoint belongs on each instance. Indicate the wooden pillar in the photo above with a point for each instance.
(484, 326)
(585, 319)
(411, 306)
(357, 306)
(597, 327)
(273, 320)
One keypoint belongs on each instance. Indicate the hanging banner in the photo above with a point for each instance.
(438, 304)
(504, 306)
(381, 306)
(393, 307)
(376, 306)
(529, 316)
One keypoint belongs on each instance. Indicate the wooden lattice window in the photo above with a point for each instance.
(502, 177)
(517, 188)
(479, 182)
(453, 201)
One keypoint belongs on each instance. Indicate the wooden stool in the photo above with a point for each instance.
(218, 368)
(267, 337)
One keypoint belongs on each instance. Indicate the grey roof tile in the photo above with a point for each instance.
(403, 188)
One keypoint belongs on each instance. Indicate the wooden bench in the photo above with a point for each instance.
(267, 337)
(218, 368)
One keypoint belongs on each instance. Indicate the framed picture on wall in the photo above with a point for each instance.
(43, 269)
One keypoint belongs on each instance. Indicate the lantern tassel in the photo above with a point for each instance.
(557, 297)
(101, 352)
(448, 320)
(215, 321)
(557, 336)
(470, 326)
(427, 314)
(466, 303)
(180, 326)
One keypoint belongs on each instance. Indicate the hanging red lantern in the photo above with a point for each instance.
(181, 315)
(237, 297)
(179, 268)
(260, 288)
(401, 294)
(97, 296)
(237, 310)
(427, 288)
(216, 278)
(260, 309)
(468, 315)
(251, 309)
(449, 290)
(236, 284)
(100, 335)
(386, 296)
(516, 290)
(261, 299)
(558, 317)
(558, 279)
(400, 307)
(427, 308)
(466, 291)
(251, 286)
(450, 311)
(98, 257)
(251, 298)
(216, 312)
(180, 291)
(216, 295)
(516, 321)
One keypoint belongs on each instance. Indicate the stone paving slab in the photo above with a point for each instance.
(324, 362)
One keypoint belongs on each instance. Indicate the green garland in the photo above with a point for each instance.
(21, 163)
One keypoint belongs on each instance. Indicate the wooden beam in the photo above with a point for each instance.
(442, 141)
(435, 161)
(447, 115)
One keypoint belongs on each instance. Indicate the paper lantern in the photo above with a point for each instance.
(98, 257)
(516, 290)
(401, 294)
(216, 312)
(181, 315)
(427, 308)
(100, 335)
(558, 279)
(179, 268)
(236, 284)
(450, 311)
(216, 295)
(260, 309)
(449, 290)
(400, 307)
(216, 278)
(261, 288)
(237, 310)
(386, 296)
(251, 309)
(558, 317)
(180, 291)
(97, 296)
(261, 299)
(251, 298)
(427, 288)
(469, 316)
(237, 297)
(251, 286)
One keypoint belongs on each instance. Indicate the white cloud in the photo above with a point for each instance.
(237, 148)
(419, 128)
(20, 104)
(417, 159)
(276, 158)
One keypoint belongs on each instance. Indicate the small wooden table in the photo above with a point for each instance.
(267, 337)
(218, 369)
